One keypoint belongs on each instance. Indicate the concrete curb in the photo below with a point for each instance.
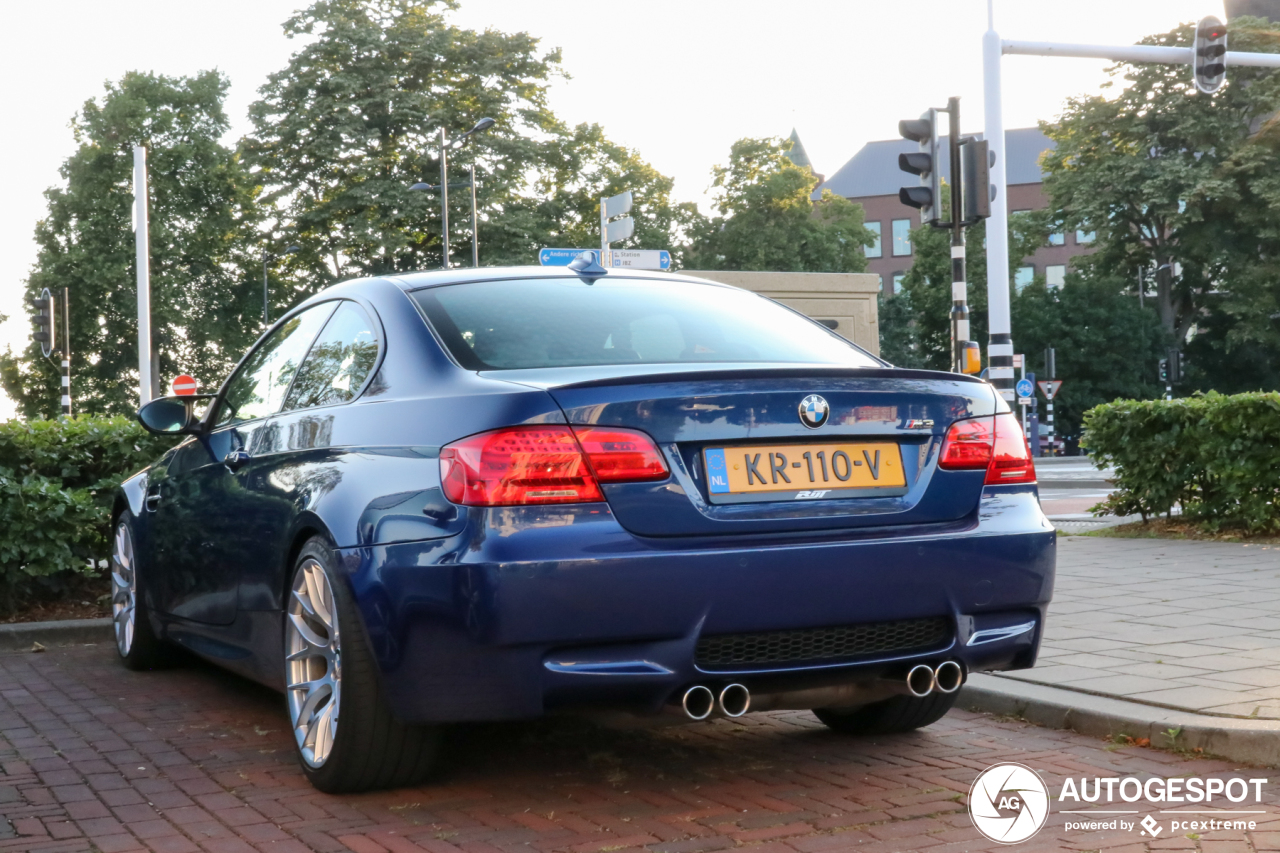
(19, 636)
(1248, 741)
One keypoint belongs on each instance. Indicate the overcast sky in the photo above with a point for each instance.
(678, 80)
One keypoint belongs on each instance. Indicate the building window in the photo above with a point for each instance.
(1055, 275)
(1023, 276)
(901, 237)
(880, 278)
(1057, 238)
(1084, 238)
(897, 282)
(875, 250)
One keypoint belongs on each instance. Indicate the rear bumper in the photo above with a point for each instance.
(533, 609)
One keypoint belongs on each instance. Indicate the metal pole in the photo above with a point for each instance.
(266, 318)
(959, 289)
(1051, 372)
(444, 199)
(475, 226)
(1134, 53)
(999, 325)
(66, 351)
(142, 242)
(604, 234)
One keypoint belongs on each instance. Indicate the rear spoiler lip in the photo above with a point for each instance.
(796, 372)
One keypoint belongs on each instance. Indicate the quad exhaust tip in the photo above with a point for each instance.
(948, 677)
(698, 702)
(920, 680)
(735, 700)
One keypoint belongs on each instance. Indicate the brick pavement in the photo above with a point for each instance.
(1188, 625)
(95, 758)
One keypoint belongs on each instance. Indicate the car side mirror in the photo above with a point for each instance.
(172, 415)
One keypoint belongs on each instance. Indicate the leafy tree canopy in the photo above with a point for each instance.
(343, 131)
(1181, 184)
(927, 286)
(767, 220)
(205, 308)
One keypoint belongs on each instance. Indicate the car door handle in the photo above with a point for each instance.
(236, 459)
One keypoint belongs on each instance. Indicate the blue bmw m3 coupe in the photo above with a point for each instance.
(496, 493)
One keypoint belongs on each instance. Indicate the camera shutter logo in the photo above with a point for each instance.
(1009, 803)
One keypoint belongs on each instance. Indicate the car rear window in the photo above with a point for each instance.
(568, 322)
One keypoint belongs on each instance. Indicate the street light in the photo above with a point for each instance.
(267, 256)
(482, 125)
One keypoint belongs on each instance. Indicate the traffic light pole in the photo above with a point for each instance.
(959, 288)
(1000, 346)
(66, 352)
(999, 324)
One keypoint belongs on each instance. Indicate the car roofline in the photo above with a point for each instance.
(412, 281)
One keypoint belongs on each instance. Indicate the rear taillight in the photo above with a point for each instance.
(621, 455)
(518, 466)
(993, 443)
(968, 445)
(1011, 461)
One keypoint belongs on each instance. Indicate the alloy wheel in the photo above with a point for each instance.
(124, 588)
(313, 661)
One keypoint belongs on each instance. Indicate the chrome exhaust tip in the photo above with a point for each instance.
(920, 680)
(698, 702)
(948, 677)
(735, 700)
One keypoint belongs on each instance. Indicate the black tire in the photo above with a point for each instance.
(140, 648)
(889, 716)
(370, 749)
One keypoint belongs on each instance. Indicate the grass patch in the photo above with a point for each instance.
(1163, 528)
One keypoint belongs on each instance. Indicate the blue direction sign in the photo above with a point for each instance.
(644, 259)
(1025, 388)
(558, 257)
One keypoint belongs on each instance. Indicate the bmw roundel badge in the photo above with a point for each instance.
(814, 411)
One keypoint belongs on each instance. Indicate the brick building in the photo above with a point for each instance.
(872, 178)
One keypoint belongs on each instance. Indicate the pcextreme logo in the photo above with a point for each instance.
(1009, 803)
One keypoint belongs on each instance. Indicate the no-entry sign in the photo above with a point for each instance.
(184, 385)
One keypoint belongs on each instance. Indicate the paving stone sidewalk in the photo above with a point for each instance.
(1187, 625)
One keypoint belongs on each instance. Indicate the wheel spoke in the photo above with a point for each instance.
(322, 690)
(305, 603)
(306, 633)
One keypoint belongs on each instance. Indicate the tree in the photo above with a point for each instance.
(205, 302)
(927, 285)
(1105, 344)
(767, 220)
(343, 131)
(1177, 182)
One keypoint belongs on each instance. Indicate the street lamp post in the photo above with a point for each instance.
(482, 125)
(475, 225)
(266, 293)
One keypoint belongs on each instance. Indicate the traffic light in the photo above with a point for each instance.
(976, 160)
(925, 163)
(1174, 362)
(1209, 59)
(1164, 370)
(46, 332)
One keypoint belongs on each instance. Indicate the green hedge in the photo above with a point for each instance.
(57, 479)
(1216, 456)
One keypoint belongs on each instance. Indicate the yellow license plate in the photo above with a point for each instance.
(807, 470)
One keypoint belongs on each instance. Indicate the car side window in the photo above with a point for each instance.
(339, 362)
(258, 388)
